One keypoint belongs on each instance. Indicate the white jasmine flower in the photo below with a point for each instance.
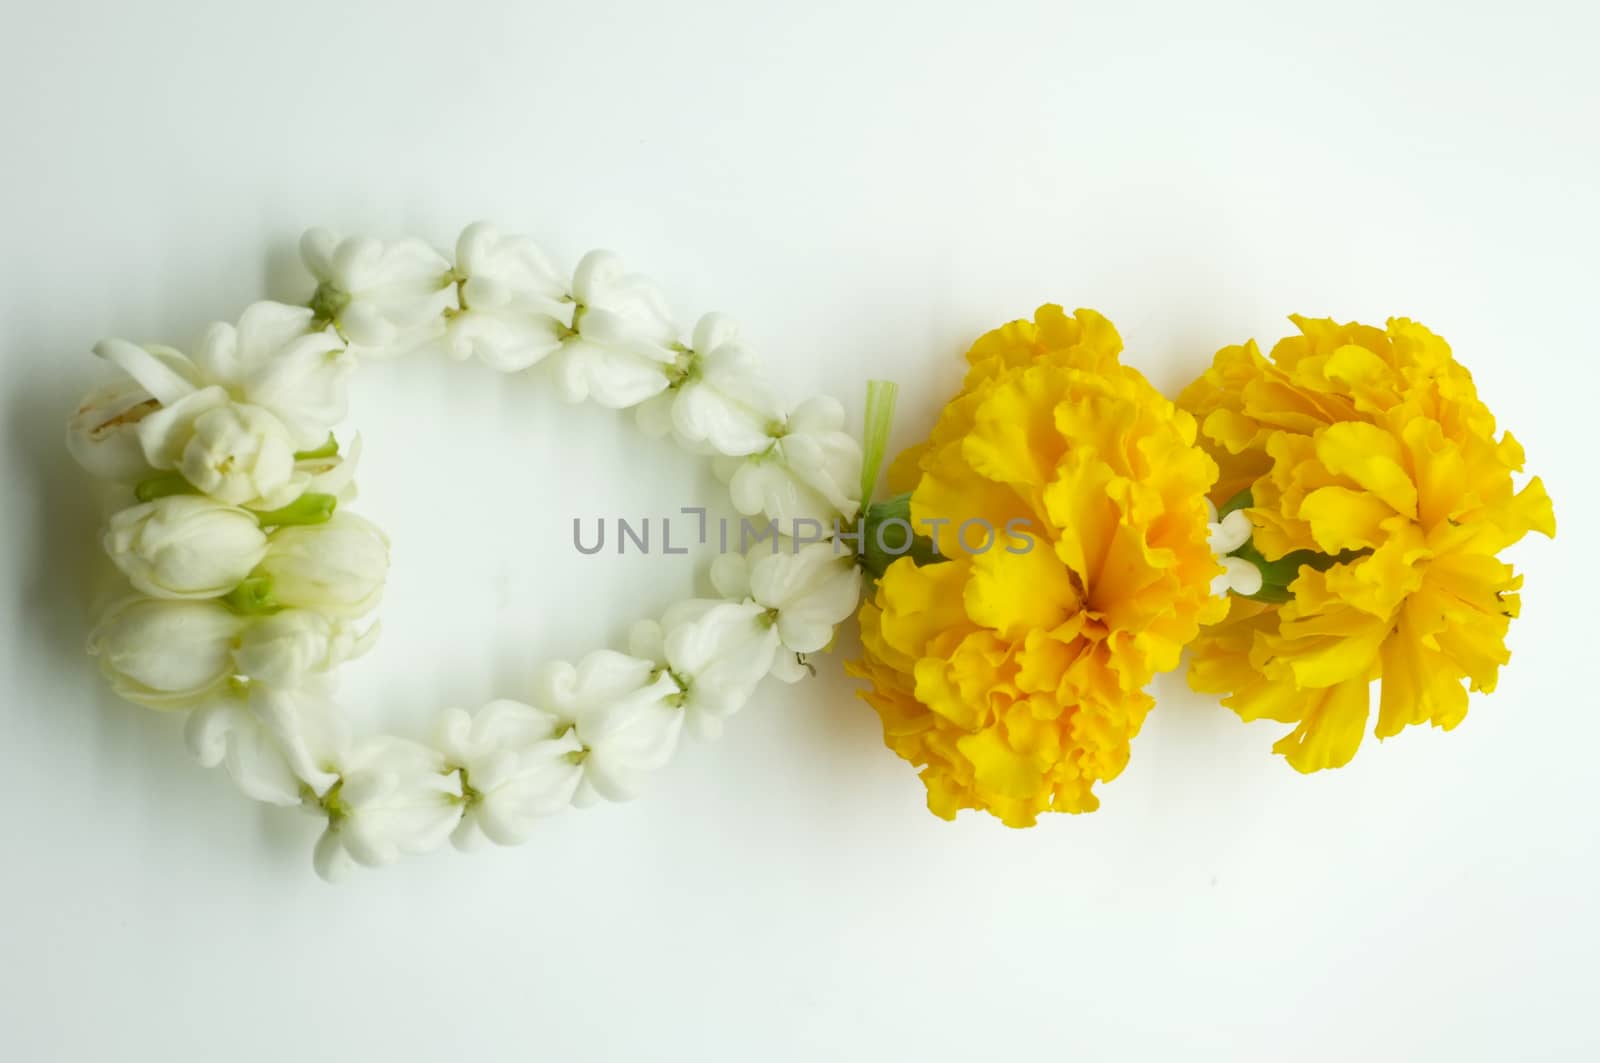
(625, 343)
(392, 797)
(164, 373)
(515, 769)
(166, 654)
(185, 546)
(231, 420)
(515, 307)
(722, 404)
(717, 651)
(808, 588)
(812, 472)
(1225, 536)
(620, 711)
(811, 590)
(377, 292)
(337, 567)
(308, 728)
(1238, 577)
(275, 744)
(275, 359)
(284, 649)
(238, 454)
(103, 434)
(228, 734)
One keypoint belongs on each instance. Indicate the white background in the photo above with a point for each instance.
(867, 187)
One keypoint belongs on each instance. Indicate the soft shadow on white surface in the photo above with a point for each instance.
(133, 772)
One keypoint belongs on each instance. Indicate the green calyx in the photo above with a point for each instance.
(310, 508)
(679, 697)
(330, 449)
(163, 486)
(887, 535)
(331, 803)
(468, 796)
(327, 303)
(253, 597)
(684, 369)
(567, 332)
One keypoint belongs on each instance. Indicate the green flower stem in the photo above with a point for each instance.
(881, 395)
(309, 508)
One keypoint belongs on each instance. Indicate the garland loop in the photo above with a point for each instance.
(252, 582)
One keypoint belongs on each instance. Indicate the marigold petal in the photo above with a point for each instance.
(1014, 593)
(918, 604)
(1371, 457)
(998, 767)
(1331, 730)
(1342, 519)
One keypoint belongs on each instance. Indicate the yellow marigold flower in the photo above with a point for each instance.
(1013, 677)
(1380, 499)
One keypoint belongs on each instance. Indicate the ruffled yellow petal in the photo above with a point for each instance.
(919, 604)
(1015, 593)
(1344, 519)
(1331, 727)
(1369, 457)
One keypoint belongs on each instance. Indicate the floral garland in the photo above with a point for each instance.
(1307, 524)
(252, 580)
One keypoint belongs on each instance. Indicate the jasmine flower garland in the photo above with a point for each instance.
(251, 583)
